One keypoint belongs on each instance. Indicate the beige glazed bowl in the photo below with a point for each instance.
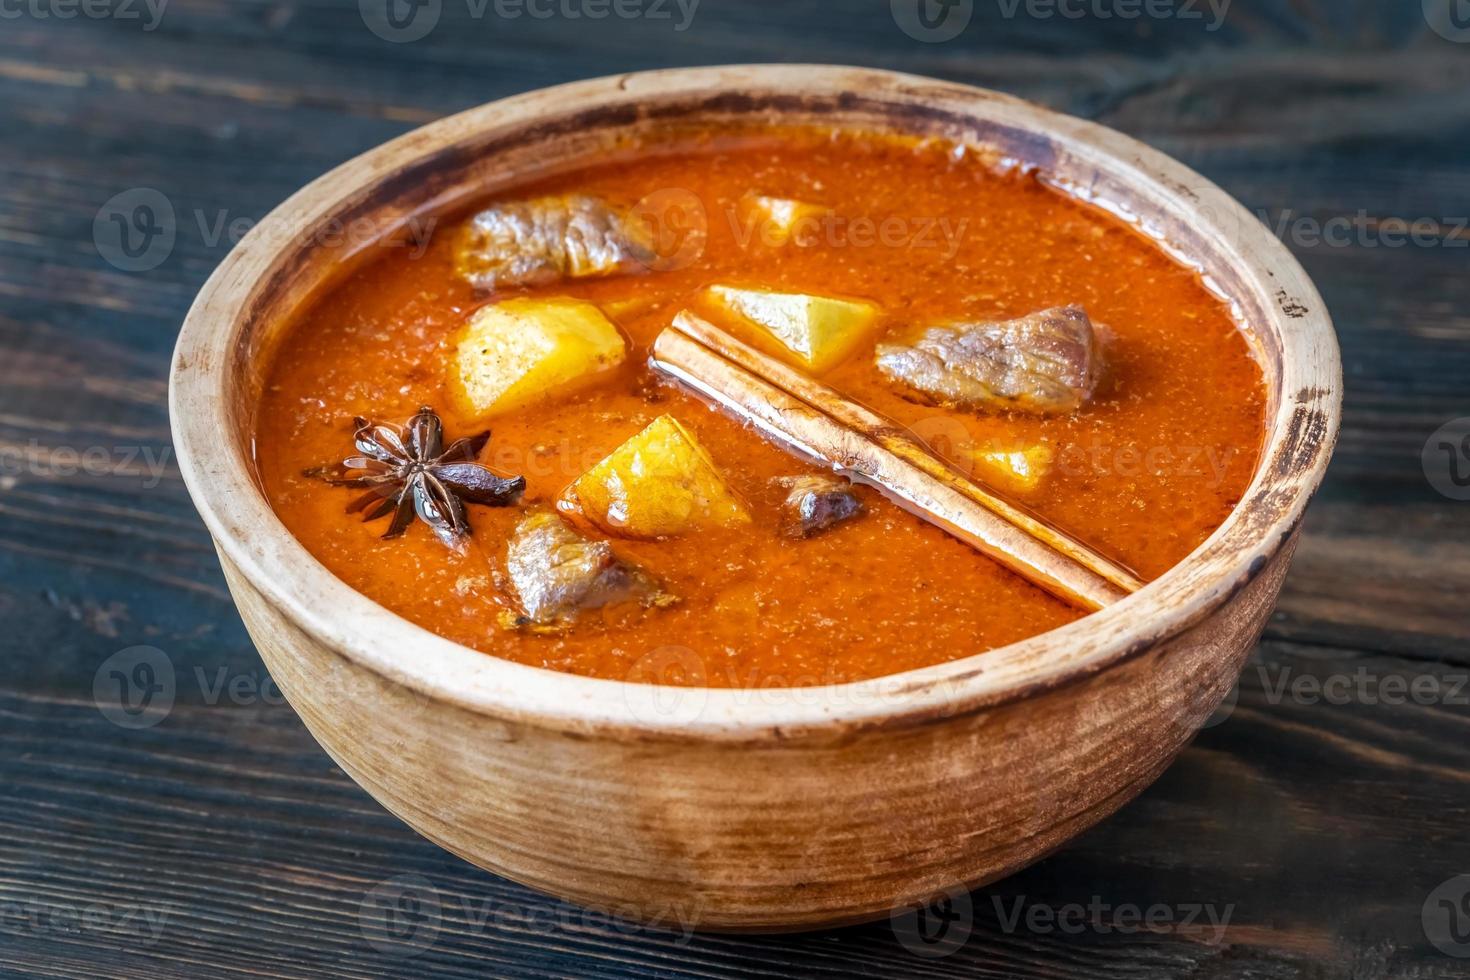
(742, 810)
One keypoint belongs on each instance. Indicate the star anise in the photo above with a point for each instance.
(407, 471)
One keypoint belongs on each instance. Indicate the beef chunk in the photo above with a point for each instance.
(1045, 363)
(528, 243)
(557, 573)
(815, 503)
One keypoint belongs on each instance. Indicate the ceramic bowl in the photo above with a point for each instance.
(750, 810)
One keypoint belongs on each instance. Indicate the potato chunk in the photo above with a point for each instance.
(1019, 470)
(814, 332)
(524, 350)
(660, 483)
(776, 220)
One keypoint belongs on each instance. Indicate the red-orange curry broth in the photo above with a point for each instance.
(1144, 471)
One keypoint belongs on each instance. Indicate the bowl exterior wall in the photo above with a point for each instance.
(807, 832)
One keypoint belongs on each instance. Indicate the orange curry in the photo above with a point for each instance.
(1143, 471)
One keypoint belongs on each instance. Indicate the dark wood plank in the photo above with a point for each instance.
(1320, 822)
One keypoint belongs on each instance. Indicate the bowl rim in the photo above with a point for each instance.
(249, 536)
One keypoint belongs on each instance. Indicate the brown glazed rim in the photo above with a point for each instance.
(432, 170)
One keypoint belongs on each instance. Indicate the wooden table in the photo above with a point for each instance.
(1320, 816)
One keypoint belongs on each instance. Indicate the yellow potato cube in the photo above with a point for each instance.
(775, 220)
(814, 332)
(1017, 470)
(659, 483)
(525, 350)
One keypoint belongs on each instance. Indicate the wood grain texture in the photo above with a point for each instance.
(1326, 825)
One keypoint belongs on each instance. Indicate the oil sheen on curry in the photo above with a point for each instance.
(614, 524)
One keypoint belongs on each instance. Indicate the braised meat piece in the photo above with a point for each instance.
(1045, 363)
(529, 243)
(557, 573)
(815, 503)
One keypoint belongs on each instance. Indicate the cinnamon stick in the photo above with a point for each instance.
(814, 433)
(893, 438)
